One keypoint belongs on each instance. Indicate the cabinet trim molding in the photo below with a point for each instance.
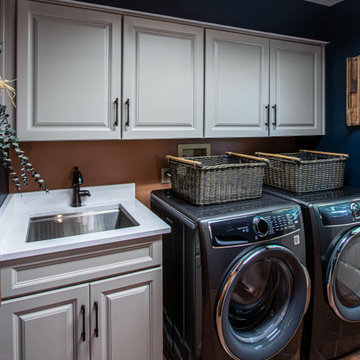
(37, 276)
(174, 19)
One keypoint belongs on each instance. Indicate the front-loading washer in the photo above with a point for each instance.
(235, 283)
(332, 225)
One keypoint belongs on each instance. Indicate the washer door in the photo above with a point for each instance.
(262, 302)
(343, 277)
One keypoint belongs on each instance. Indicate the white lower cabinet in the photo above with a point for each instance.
(119, 317)
(115, 313)
(45, 326)
(129, 318)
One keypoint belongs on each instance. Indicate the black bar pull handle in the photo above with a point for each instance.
(274, 124)
(116, 123)
(127, 104)
(267, 107)
(96, 308)
(83, 334)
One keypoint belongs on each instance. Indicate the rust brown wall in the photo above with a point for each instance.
(114, 162)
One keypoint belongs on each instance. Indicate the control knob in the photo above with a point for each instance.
(261, 226)
(355, 210)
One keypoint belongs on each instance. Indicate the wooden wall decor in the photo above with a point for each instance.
(353, 91)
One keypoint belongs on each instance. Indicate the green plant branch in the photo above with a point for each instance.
(9, 141)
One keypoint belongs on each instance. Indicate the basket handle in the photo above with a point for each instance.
(185, 161)
(285, 157)
(325, 153)
(251, 157)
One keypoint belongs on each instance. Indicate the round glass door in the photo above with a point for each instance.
(262, 302)
(343, 277)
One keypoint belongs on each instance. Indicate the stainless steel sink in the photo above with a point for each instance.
(82, 222)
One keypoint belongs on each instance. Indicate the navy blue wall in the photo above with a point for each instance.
(344, 37)
(290, 17)
(337, 24)
(3, 184)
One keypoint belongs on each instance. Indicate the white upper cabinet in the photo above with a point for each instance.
(296, 89)
(162, 80)
(236, 84)
(255, 86)
(68, 73)
(72, 65)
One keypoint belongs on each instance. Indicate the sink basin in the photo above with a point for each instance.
(78, 223)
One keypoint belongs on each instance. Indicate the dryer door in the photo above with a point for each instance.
(343, 277)
(262, 302)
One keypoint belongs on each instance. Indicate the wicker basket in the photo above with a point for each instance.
(305, 171)
(205, 180)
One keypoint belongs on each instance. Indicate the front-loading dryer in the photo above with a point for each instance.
(234, 278)
(332, 223)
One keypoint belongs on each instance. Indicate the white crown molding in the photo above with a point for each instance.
(325, 2)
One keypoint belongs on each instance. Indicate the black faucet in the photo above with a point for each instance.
(77, 193)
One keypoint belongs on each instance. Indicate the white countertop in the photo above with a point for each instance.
(19, 208)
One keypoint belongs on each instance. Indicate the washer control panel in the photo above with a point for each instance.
(340, 213)
(255, 228)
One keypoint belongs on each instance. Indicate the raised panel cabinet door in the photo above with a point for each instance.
(68, 73)
(126, 318)
(236, 85)
(45, 326)
(296, 88)
(163, 80)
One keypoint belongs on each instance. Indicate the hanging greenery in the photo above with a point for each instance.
(9, 141)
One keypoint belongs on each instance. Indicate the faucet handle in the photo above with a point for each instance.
(77, 176)
(84, 193)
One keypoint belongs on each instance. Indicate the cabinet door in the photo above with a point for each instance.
(236, 85)
(129, 317)
(296, 89)
(163, 80)
(45, 326)
(68, 73)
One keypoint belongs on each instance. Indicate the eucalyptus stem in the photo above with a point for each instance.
(8, 141)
